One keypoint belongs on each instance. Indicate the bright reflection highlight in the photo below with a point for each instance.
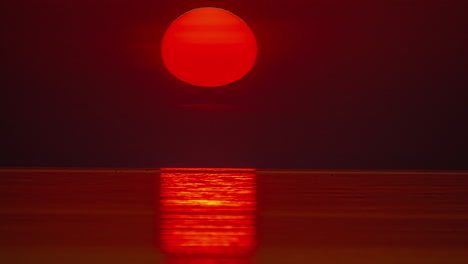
(208, 169)
(208, 216)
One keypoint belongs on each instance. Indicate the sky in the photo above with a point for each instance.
(337, 84)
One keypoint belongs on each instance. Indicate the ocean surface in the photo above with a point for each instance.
(232, 216)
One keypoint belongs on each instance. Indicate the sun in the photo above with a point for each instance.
(209, 47)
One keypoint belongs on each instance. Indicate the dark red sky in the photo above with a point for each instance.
(337, 84)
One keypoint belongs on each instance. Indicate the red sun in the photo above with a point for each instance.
(209, 47)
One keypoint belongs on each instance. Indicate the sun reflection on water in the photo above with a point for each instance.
(208, 217)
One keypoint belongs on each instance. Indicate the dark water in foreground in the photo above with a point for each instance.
(242, 217)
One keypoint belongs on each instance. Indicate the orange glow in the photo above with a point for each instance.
(209, 47)
(208, 216)
(208, 169)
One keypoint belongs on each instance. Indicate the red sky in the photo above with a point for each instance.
(337, 84)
